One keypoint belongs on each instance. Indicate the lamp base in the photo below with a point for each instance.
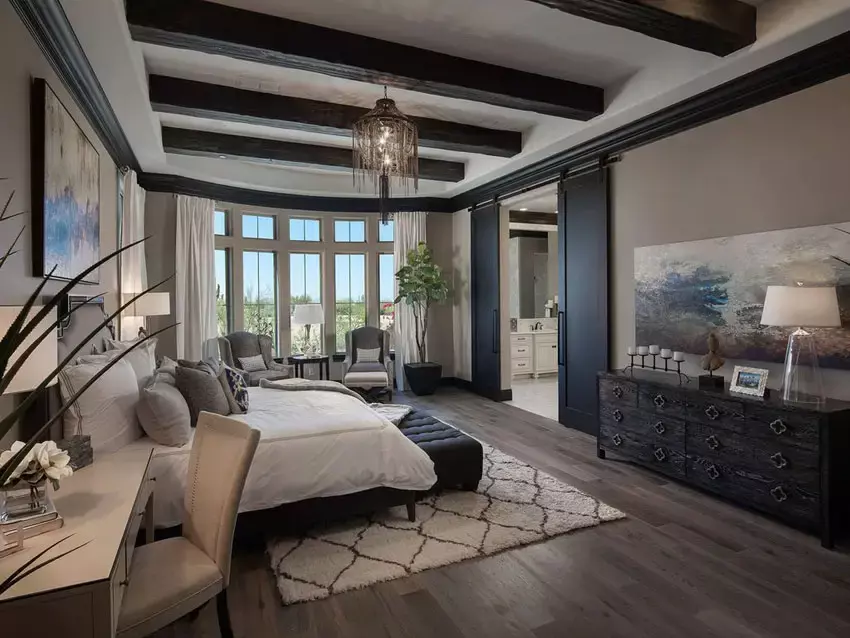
(802, 382)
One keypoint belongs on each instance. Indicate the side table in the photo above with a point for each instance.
(298, 362)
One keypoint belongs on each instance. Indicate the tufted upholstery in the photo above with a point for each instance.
(247, 344)
(458, 458)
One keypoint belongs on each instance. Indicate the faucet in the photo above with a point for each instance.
(537, 326)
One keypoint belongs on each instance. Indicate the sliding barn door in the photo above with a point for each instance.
(484, 301)
(583, 295)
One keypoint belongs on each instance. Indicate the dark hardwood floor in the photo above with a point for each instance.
(683, 565)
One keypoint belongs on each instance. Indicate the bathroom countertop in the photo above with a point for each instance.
(535, 332)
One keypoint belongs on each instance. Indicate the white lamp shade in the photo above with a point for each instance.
(150, 305)
(43, 359)
(799, 306)
(308, 314)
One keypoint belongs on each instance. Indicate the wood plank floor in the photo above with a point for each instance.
(682, 565)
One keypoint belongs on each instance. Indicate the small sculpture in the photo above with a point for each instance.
(711, 362)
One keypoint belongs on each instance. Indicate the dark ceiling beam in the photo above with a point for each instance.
(715, 26)
(532, 217)
(216, 102)
(221, 30)
(208, 144)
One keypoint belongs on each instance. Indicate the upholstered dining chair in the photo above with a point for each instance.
(367, 357)
(238, 345)
(170, 578)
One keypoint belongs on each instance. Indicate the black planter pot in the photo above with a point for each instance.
(423, 378)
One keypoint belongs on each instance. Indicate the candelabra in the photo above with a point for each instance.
(656, 351)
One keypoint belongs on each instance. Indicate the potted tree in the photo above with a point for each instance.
(421, 284)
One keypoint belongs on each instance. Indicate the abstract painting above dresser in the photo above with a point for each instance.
(686, 290)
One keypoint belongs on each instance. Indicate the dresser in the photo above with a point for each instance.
(534, 353)
(80, 594)
(788, 461)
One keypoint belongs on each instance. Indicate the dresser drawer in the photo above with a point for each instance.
(520, 350)
(550, 338)
(521, 366)
(717, 412)
(617, 391)
(789, 428)
(785, 499)
(653, 427)
(662, 401)
(653, 453)
(521, 340)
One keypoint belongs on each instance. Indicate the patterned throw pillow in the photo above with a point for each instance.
(252, 364)
(235, 389)
(368, 356)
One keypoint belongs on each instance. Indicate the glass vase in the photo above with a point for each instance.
(23, 500)
(802, 382)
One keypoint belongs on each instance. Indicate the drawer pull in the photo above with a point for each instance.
(778, 426)
(712, 442)
(659, 427)
(617, 439)
(660, 401)
(712, 472)
(778, 494)
(779, 461)
(712, 413)
(618, 392)
(660, 454)
(618, 416)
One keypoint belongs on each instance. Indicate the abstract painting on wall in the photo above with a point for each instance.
(685, 291)
(66, 191)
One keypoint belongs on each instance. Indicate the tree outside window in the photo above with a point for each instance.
(305, 286)
(350, 301)
(260, 293)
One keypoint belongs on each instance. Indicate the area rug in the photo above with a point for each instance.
(515, 505)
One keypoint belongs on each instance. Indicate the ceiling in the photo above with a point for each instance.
(638, 73)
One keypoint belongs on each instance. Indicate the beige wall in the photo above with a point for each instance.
(22, 61)
(462, 319)
(780, 165)
(439, 232)
(161, 226)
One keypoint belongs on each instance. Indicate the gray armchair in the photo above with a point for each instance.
(368, 376)
(238, 345)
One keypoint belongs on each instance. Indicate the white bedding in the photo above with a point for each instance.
(312, 444)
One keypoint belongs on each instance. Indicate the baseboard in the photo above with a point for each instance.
(457, 382)
(463, 384)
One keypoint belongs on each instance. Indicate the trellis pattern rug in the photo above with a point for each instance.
(515, 505)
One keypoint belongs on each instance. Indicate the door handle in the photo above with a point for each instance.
(495, 331)
(561, 337)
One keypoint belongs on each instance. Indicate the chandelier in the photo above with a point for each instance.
(386, 152)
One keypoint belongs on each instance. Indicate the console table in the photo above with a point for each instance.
(785, 460)
(80, 594)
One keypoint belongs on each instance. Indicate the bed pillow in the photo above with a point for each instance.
(142, 359)
(163, 412)
(202, 391)
(106, 411)
(368, 355)
(235, 389)
(252, 364)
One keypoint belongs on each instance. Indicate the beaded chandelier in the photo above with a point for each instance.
(386, 150)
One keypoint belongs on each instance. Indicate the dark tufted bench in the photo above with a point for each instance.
(458, 458)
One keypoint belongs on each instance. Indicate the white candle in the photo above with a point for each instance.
(632, 350)
(654, 349)
(666, 353)
(643, 350)
(678, 356)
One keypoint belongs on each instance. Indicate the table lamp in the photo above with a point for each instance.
(42, 361)
(153, 304)
(801, 307)
(308, 314)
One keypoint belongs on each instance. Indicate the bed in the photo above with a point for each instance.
(322, 454)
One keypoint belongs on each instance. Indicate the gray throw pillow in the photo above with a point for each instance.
(253, 364)
(202, 391)
(368, 355)
(163, 412)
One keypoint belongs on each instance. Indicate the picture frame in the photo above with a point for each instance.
(751, 381)
(66, 190)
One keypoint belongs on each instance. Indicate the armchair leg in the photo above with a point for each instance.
(223, 615)
(411, 508)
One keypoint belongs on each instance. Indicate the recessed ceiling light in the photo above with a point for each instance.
(523, 209)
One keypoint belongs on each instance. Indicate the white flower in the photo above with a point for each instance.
(6, 456)
(44, 459)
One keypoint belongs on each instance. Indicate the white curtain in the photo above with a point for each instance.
(134, 275)
(195, 276)
(409, 230)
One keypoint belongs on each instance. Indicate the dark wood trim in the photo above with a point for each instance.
(532, 217)
(208, 144)
(224, 103)
(221, 30)
(457, 382)
(530, 234)
(161, 183)
(47, 23)
(820, 63)
(715, 26)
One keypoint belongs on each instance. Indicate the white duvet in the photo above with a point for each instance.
(312, 444)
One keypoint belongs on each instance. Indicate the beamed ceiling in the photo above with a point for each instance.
(263, 93)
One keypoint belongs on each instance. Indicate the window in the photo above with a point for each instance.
(385, 231)
(220, 222)
(258, 227)
(305, 286)
(349, 231)
(350, 295)
(259, 305)
(304, 230)
(386, 292)
(222, 291)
